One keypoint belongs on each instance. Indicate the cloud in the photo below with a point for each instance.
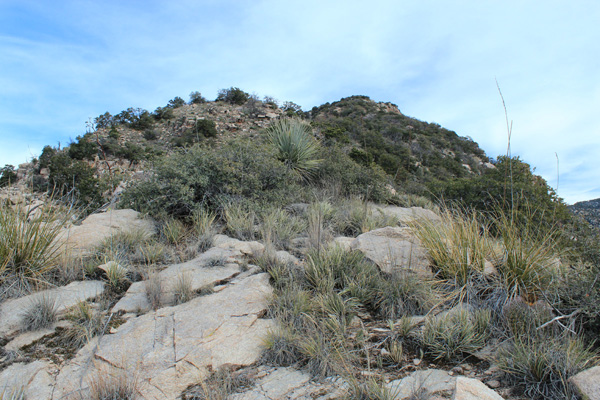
(64, 63)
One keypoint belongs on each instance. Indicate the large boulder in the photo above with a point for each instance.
(406, 215)
(36, 379)
(393, 249)
(80, 239)
(65, 297)
(473, 389)
(174, 347)
(587, 383)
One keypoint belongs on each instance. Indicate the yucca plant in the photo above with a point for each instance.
(28, 239)
(295, 145)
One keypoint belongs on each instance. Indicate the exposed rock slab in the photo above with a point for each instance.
(473, 389)
(289, 384)
(65, 297)
(36, 379)
(250, 249)
(406, 215)
(393, 249)
(195, 270)
(430, 381)
(83, 238)
(587, 383)
(173, 347)
(27, 338)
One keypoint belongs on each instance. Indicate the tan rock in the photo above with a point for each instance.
(587, 383)
(173, 347)
(393, 249)
(473, 389)
(405, 215)
(250, 249)
(430, 381)
(65, 297)
(36, 379)
(83, 238)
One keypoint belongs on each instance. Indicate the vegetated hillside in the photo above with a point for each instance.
(588, 210)
(369, 135)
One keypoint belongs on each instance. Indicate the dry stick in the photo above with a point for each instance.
(508, 153)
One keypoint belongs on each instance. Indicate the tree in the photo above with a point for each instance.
(7, 175)
(197, 98)
(176, 102)
(233, 95)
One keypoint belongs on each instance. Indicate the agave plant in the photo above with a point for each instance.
(295, 145)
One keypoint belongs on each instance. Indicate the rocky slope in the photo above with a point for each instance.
(588, 210)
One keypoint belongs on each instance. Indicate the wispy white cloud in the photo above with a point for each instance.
(63, 63)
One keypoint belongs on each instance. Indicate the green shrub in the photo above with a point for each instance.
(233, 95)
(163, 113)
(68, 175)
(240, 171)
(83, 149)
(197, 98)
(206, 128)
(176, 102)
(7, 175)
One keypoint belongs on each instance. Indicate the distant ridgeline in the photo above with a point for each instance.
(588, 210)
(373, 140)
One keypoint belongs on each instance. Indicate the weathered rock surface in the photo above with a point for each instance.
(250, 249)
(428, 382)
(80, 239)
(587, 383)
(173, 347)
(65, 297)
(196, 271)
(26, 338)
(473, 389)
(36, 379)
(393, 249)
(289, 384)
(406, 215)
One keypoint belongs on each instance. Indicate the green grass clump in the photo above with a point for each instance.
(542, 366)
(219, 385)
(450, 336)
(240, 221)
(87, 323)
(458, 245)
(278, 228)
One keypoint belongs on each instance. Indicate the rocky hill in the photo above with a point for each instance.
(241, 250)
(588, 210)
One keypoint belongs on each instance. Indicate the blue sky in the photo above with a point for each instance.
(64, 62)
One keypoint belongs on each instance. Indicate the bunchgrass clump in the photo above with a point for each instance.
(240, 222)
(203, 224)
(41, 313)
(220, 385)
(542, 366)
(154, 253)
(113, 385)
(278, 228)
(87, 323)
(174, 232)
(458, 245)
(355, 216)
(451, 336)
(153, 290)
(13, 393)
(368, 390)
(182, 291)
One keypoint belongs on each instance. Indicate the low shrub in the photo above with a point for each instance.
(219, 385)
(114, 384)
(233, 95)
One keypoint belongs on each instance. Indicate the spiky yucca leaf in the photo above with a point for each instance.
(295, 145)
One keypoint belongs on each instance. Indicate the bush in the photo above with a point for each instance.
(205, 127)
(68, 175)
(83, 149)
(197, 98)
(163, 113)
(176, 102)
(7, 175)
(240, 170)
(233, 95)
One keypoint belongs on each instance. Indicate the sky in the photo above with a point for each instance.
(63, 63)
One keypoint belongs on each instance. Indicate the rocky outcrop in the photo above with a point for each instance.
(393, 249)
(79, 239)
(11, 311)
(174, 347)
(36, 379)
(423, 382)
(406, 215)
(587, 383)
(473, 389)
